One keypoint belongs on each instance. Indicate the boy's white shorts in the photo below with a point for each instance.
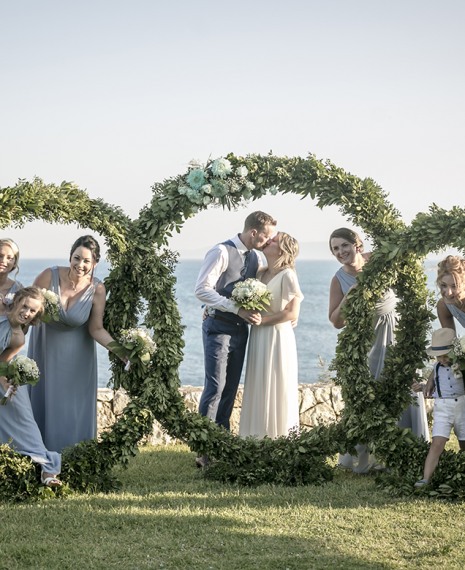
(449, 413)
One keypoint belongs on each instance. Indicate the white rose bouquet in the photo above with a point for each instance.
(51, 306)
(20, 371)
(134, 343)
(251, 294)
(457, 355)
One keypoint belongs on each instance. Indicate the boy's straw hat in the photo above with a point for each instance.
(441, 342)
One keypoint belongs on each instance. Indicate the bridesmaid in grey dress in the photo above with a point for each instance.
(9, 262)
(64, 402)
(451, 306)
(451, 283)
(347, 247)
(17, 425)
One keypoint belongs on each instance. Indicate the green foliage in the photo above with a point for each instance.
(18, 477)
(141, 284)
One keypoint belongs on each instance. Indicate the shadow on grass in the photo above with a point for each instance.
(168, 516)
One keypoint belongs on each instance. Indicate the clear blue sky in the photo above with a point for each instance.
(118, 95)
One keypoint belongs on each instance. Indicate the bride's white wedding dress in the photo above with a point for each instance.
(270, 404)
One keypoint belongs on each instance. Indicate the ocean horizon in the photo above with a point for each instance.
(316, 338)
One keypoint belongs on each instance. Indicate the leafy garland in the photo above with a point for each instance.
(140, 271)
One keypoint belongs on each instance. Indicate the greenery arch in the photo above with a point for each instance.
(142, 271)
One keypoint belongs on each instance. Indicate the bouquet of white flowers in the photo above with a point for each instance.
(22, 370)
(51, 306)
(134, 343)
(457, 354)
(251, 294)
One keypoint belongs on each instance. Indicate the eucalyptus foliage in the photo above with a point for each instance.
(141, 284)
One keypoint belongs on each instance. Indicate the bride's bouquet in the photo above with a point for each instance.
(134, 343)
(51, 306)
(251, 294)
(20, 371)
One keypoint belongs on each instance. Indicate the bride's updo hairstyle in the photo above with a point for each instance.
(455, 266)
(90, 243)
(289, 250)
(349, 235)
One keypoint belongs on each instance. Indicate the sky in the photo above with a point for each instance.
(118, 95)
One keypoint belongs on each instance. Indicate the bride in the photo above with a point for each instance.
(270, 404)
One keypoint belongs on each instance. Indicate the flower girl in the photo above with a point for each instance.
(17, 425)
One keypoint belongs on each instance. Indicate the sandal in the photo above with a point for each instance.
(50, 481)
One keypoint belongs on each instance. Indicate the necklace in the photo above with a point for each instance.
(73, 284)
(3, 291)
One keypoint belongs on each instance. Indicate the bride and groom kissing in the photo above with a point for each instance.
(270, 399)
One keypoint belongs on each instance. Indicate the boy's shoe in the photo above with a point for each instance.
(421, 483)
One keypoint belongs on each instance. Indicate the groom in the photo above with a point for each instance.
(224, 329)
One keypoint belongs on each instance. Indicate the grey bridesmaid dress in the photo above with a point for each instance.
(64, 402)
(384, 335)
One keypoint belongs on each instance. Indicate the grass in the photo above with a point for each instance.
(167, 516)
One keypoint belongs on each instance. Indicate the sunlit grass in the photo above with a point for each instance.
(167, 516)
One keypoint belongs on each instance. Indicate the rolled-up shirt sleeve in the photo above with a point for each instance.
(214, 264)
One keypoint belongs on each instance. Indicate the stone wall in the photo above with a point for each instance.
(318, 403)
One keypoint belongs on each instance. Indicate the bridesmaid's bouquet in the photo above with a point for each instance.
(20, 371)
(134, 343)
(51, 306)
(457, 355)
(251, 294)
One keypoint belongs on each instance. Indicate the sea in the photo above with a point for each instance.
(316, 338)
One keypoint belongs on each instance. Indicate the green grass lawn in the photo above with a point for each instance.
(167, 516)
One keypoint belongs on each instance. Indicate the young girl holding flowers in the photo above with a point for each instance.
(17, 425)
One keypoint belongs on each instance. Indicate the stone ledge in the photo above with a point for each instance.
(319, 404)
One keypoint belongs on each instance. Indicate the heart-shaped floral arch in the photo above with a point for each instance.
(142, 276)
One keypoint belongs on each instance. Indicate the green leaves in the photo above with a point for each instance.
(141, 288)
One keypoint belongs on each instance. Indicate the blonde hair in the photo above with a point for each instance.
(289, 247)
(14, 248)
(349, 235)
(455, 266)
(26, 293)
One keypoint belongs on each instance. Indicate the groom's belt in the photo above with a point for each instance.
(229, 318)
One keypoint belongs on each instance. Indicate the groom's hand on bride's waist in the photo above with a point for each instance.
(251, 317)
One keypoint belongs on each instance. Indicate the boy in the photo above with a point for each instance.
(449, 403)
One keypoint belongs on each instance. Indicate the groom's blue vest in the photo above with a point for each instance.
(225, 284)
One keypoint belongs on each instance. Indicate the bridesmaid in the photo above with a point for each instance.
(9, 262)
(347, 246)
(17, 425)
(65, 400)
(451, 283)
(451, 306)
